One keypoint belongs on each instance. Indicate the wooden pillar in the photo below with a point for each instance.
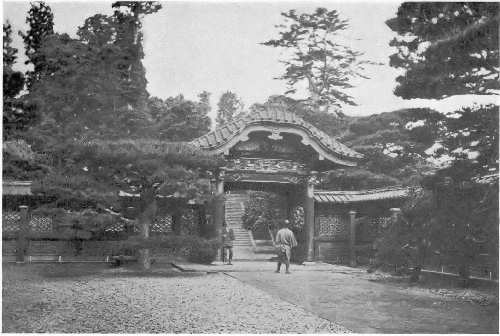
(131, 213)
(219, 212)
(22, 242)
(309, 216)
(395, 212)
(352, 238)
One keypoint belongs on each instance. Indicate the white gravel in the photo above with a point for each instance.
(203, 304)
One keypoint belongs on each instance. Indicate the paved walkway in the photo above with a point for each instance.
(348, 297)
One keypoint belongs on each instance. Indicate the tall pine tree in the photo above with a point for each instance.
(17, 115)
(41, 24)
(318, 58)
(228, 107)
(446, 48)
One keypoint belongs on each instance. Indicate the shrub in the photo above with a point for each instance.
(262, 211)
(202, 250)
(194, 248)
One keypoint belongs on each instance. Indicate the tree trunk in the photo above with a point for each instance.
(146, 218)
(415, 274)
(145, 258)
(464, 274)
(313, 91)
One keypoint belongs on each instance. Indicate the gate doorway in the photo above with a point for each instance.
(255, 211)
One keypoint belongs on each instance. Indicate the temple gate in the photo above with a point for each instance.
(279, 150)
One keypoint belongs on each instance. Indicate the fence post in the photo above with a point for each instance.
(352, 238)
(21, 243)
(395, 212)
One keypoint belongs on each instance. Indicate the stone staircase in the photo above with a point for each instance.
(234, 210)
(244, 248)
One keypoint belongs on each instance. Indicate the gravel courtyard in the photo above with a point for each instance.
(93, 299)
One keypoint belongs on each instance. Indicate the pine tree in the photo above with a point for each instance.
(17, 115)
(228, 107)
(318, 58)
(446, 48)
(41, 24)
(180, 119)
(128, 18)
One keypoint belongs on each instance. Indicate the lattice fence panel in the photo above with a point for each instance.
(162, 224)
(11, 221)
(331, 226)
(116, 227)
(41, 224)
(380, 223)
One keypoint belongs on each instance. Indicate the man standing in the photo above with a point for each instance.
(285, 240)
(227, 243)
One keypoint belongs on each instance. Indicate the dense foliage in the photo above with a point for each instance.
(92, 146)
(179, 119)
(194, 248)
(409, 241)
(263, 211)
(446, 48)
(95, 84)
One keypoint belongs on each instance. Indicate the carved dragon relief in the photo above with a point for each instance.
(263, 177)
(267, 165)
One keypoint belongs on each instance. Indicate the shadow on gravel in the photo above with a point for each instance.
(63, 271)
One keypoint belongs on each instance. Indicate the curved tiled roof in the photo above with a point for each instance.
(341, 196)
(272, 116)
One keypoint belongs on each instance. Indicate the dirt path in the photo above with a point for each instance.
(363, 306)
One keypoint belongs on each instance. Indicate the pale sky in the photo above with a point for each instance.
(214, 46)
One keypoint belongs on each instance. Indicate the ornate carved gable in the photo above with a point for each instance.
(276, 124)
